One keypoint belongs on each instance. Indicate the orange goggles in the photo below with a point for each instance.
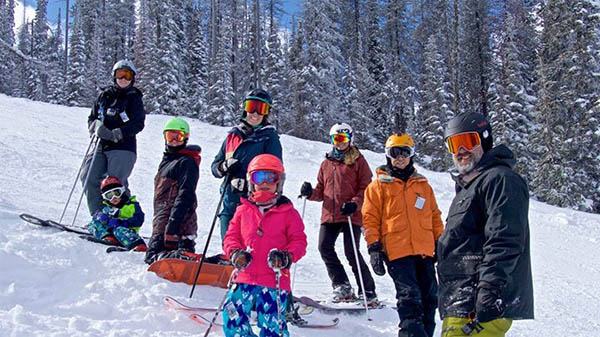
(467, 140)
(340, 138)
(124, 74)
(171, 135)
(256, 106)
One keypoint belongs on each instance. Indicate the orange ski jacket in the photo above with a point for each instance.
(403, 216)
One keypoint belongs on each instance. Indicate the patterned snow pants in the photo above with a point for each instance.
(127, 237)
(244, 298)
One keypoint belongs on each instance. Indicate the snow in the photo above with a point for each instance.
(54, 284)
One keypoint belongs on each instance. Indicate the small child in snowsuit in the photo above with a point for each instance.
(265, 234)
(175, 223)
(120, 218)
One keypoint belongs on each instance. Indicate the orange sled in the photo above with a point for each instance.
(177, 270)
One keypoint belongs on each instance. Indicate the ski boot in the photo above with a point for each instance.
(343, 293)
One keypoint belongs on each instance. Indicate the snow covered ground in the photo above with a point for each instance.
(54, 284)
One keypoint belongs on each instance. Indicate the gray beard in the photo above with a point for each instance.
(465, 169)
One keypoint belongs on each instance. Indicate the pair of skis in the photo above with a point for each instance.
(82, 232)
(198, 317)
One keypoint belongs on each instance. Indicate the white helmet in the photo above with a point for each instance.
(124, 64)
(340, 128)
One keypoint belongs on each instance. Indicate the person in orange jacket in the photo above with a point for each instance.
(402, 223)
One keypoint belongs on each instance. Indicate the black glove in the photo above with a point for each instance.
(103, 132)
(239, 184)
(279, 259)
(489, 306)
(306, 190)
(240, 259)
(229, 165)
(348, 207)
(377, 256)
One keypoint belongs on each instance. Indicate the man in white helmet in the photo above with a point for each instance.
(341, 182)
(116, 118)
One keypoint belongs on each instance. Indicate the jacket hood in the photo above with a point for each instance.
(499, 155)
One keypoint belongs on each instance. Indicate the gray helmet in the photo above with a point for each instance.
(470, 122)
(124, 64)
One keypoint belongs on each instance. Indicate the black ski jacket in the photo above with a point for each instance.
(175, 193)
(120, 108)
(487, 239)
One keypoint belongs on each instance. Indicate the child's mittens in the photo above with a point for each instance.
(279, 259)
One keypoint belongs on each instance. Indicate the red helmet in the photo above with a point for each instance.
(266, 162)
(109, 183)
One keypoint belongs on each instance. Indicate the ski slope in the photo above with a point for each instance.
(55, 284)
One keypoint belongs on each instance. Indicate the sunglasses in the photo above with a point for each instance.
(398, 152)
(114, 193)
(256, 106)
(171, 135)
(467, 140)
(124, 74)
(339, 138)
(264, 177)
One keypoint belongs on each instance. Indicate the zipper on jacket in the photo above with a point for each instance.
(407, 217)
(333, 197)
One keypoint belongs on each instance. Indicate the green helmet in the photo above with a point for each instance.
(177, 124)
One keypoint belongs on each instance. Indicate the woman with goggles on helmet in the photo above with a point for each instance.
(116, 118)
(253, 136)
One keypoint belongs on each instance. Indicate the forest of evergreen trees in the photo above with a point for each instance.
(383, 66)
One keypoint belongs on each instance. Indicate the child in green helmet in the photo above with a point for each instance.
(174, 225)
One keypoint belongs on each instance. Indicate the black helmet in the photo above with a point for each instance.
(259, 94)
(468, 122)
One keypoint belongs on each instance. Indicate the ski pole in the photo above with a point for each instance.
(362, 284)
(295, 264)
(92, 139)
(220, 307)
(87, 178)
(277, 285)
(212, 227)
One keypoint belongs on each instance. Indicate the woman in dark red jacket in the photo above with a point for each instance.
(343, 177)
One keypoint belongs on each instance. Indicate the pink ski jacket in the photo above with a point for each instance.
(280, 227)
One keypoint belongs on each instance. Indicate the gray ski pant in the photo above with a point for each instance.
(118, 163)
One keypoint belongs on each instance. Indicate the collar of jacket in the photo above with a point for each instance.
(385, 176)
(350, 156)
(282, 204)
(498, 156)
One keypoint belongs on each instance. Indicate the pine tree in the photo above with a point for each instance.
(435, 109)
(198, 68)
(55, 59)
(324, 65)
(76, 93)
(9, 62)
(273, 78)
(561, 108)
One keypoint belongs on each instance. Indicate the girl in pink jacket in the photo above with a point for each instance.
(265, 235)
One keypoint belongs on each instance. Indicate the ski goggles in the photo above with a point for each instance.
(398, 152)
(114, 193)
(262, 177)
(467, 140)
(124, 74)
(259, 107)
(340, 138)
(171, 135)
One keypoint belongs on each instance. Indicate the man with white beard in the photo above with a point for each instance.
(484, 266)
